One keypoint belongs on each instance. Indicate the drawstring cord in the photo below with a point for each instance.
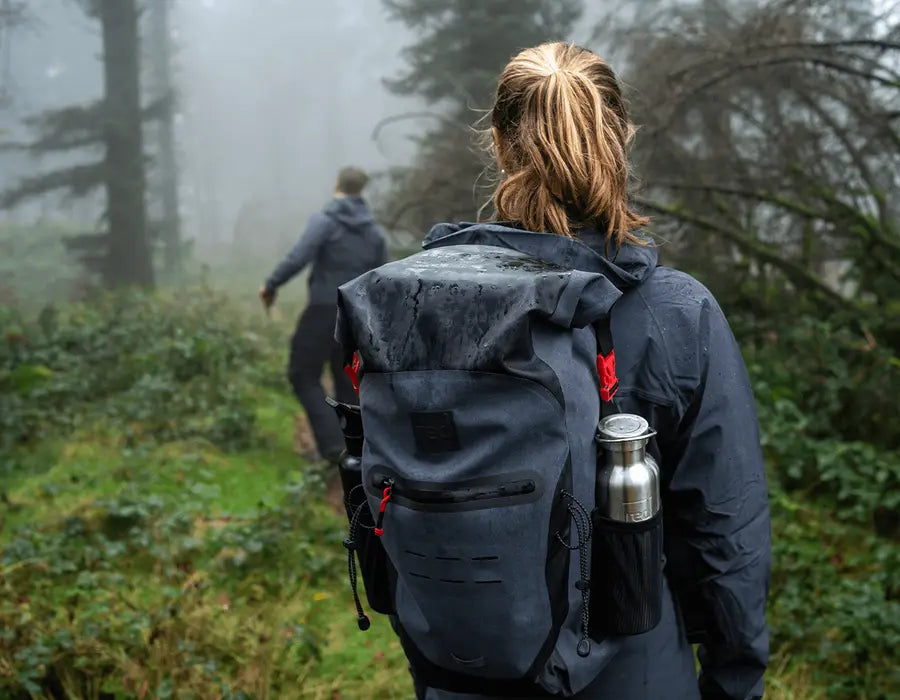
(362, 620)
(585, 530)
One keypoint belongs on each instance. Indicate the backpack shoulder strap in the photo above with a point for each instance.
(606, 365)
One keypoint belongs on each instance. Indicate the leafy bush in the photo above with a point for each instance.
(842, 381)
(77, 615)
(823, 417)
(828, 425)
(141, 564)
(147, 367)
(834, 603)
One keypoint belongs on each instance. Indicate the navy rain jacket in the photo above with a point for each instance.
(679, 367)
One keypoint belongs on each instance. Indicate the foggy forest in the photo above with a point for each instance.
(166, 530)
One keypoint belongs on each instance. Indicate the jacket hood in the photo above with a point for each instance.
(352, 212)
(625, 266)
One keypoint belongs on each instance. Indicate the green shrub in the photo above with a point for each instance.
(825, 402)
(834, 601)
(146, 367)
(129, 595)
(140, 566)
(842, 382)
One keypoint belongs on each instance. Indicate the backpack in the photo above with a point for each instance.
(480, 365)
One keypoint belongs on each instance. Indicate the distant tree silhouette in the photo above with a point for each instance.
(461, 50)
(121, 254)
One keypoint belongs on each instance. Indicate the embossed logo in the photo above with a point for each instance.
(434, 431)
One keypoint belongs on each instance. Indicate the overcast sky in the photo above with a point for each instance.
(279, 94)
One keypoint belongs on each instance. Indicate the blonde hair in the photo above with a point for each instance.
(562, 132)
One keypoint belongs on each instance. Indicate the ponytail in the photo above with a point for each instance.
(562, 134)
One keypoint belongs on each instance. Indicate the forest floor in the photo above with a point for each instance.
(181, 563)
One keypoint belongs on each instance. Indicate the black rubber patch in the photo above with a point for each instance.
(434, 431)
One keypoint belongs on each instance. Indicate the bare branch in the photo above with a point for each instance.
(406, 116)
(881, 44)
(797, 274)
(835, 66)
(875, 236)
(859, 161)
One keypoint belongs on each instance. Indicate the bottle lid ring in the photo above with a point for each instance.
(624, 427)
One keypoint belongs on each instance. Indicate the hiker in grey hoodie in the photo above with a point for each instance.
(340, 243)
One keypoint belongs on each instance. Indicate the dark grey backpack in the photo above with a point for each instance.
(480, 396)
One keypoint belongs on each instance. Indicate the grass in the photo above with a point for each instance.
(62, 474)
(219, 574)
(222, 489)
(64, 478)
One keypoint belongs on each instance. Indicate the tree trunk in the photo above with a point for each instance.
(129, 260)
(160, 53)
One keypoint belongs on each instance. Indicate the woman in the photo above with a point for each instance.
(560, 130)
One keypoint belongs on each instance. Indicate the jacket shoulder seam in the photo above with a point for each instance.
(658, 328)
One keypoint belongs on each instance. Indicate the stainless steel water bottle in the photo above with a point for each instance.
(627, 550)
(627, 488)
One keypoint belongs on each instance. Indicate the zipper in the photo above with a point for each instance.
(382, 508)
(449, 495)
(463, 495)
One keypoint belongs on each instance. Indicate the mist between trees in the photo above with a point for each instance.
(768, 155)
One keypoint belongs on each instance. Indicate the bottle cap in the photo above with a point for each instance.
(623, 426)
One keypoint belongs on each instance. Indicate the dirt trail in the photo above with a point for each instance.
(305, 446)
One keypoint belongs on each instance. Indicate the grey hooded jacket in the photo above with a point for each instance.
(680, 367)
(341, 243)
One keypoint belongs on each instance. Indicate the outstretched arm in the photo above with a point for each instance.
(303, 253)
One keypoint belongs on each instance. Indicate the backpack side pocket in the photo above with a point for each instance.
(626, 576)
(378, 575)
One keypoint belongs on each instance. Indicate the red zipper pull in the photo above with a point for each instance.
(386, 496)
(352, 371)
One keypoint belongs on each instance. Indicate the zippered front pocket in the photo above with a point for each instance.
(471, 515)
(471, 494)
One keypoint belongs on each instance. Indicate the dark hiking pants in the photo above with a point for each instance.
(312, 346)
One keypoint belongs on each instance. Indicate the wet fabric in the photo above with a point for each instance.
(679, 366)
(479, 398)
(658, 664)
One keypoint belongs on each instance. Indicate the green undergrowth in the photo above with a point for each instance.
(187, 572)
(160, 538)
